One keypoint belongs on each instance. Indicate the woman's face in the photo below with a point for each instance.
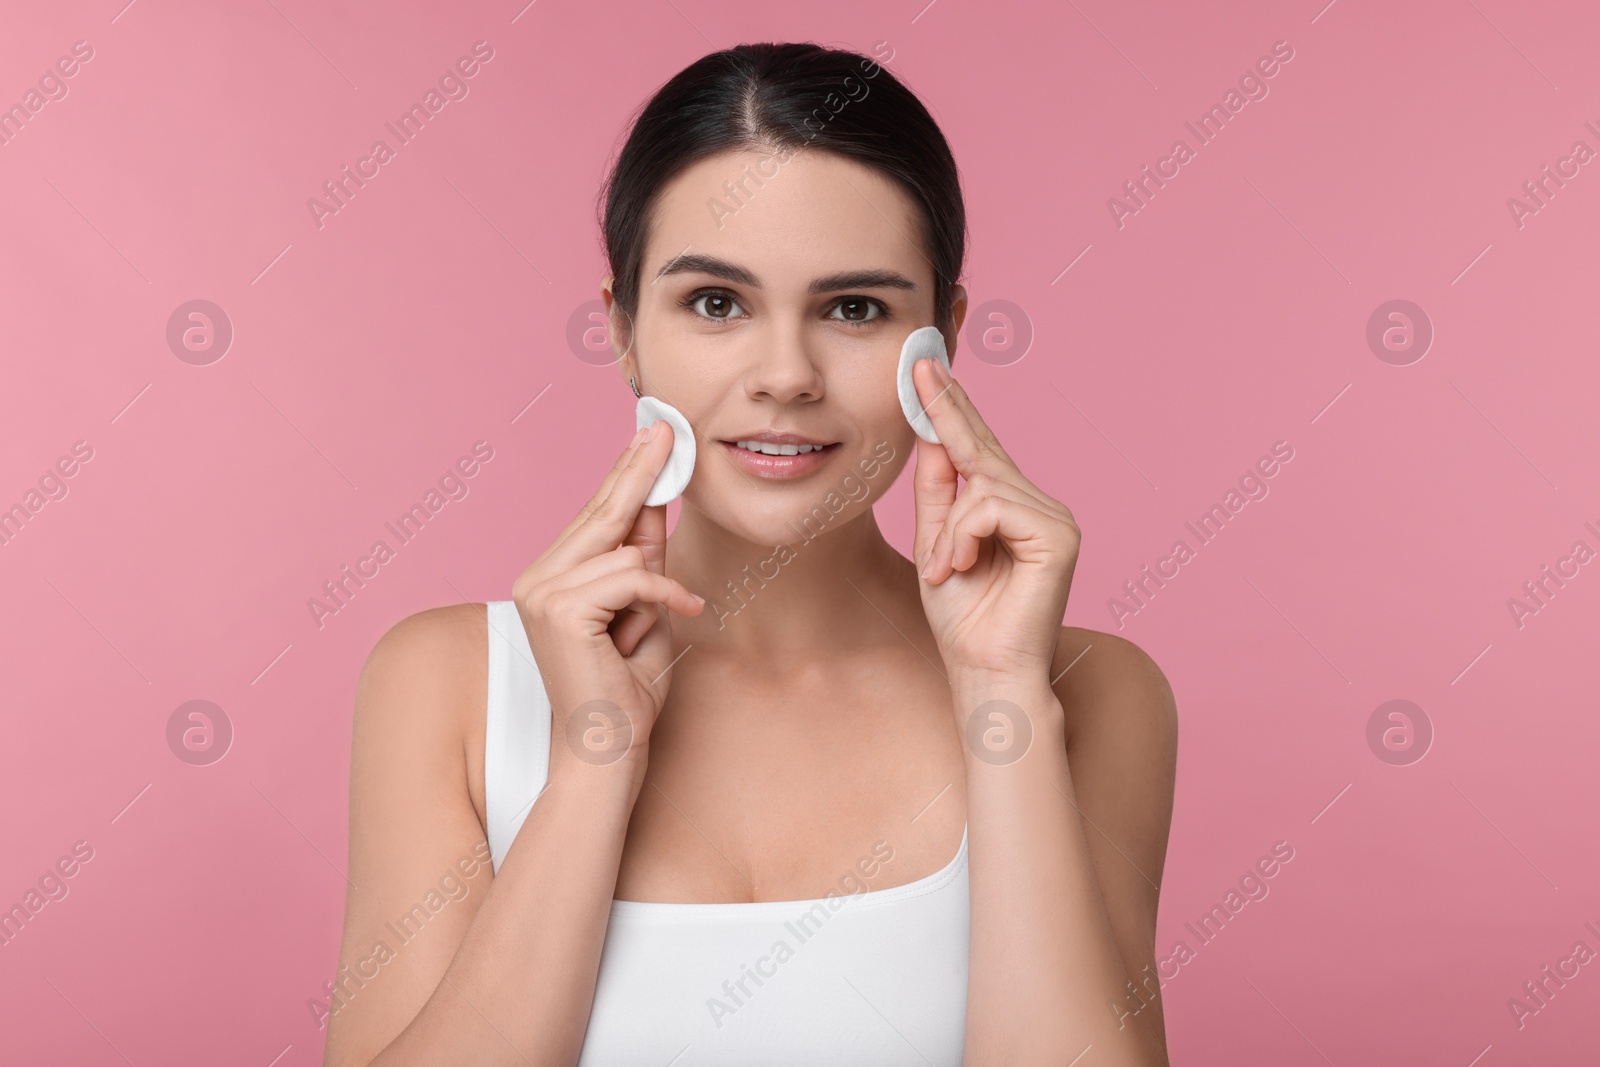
(774, 296)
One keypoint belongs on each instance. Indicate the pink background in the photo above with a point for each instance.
(1228, 314)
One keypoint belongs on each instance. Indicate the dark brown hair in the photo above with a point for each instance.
(784, 97)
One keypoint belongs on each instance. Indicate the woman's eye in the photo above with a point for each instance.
(860, 309)
(716, 305)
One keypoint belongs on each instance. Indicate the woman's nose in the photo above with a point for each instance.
(784, 367)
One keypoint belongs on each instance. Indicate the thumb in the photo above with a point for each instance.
(934, 486)
(649, 534)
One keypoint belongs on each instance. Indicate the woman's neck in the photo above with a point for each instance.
(826, 592)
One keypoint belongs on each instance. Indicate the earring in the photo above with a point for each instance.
(635, 388)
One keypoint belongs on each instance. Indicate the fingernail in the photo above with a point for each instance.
(650, 431)
(942, 371)
(638, 435)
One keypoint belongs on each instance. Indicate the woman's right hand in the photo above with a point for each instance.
(595, 605)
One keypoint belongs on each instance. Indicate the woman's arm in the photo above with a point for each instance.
(504, 972)
(1122, 751)
(1056, 937)
(1061, 920)
(508, 978)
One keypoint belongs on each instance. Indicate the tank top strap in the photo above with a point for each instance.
(516, 758)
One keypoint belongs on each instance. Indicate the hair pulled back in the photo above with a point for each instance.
(784, 98)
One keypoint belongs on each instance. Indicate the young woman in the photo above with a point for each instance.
(765, 791)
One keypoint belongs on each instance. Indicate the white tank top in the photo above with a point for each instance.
(875, 977)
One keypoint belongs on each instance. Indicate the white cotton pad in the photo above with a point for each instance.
(924, 343)
(674, 477)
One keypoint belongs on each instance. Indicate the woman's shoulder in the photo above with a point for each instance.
(422, 692)
(1108, 684)
(433, 646)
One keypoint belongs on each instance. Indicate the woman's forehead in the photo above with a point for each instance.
(786, 221)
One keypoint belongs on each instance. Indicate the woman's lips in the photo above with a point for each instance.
(777, 467)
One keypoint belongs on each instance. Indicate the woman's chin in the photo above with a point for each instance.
(788, 523)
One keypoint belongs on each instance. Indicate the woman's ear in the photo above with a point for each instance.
(958, 315)
(620, 331)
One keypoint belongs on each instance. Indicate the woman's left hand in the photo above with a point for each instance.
(997, 557)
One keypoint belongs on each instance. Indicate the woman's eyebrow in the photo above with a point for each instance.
(717, 268)
(875, 278)
(863, 279)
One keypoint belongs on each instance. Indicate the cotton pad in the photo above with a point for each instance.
(924, 343)
(674, 477)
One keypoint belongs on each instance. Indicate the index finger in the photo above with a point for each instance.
(600, 493)
(609, 519)
(967, 439)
